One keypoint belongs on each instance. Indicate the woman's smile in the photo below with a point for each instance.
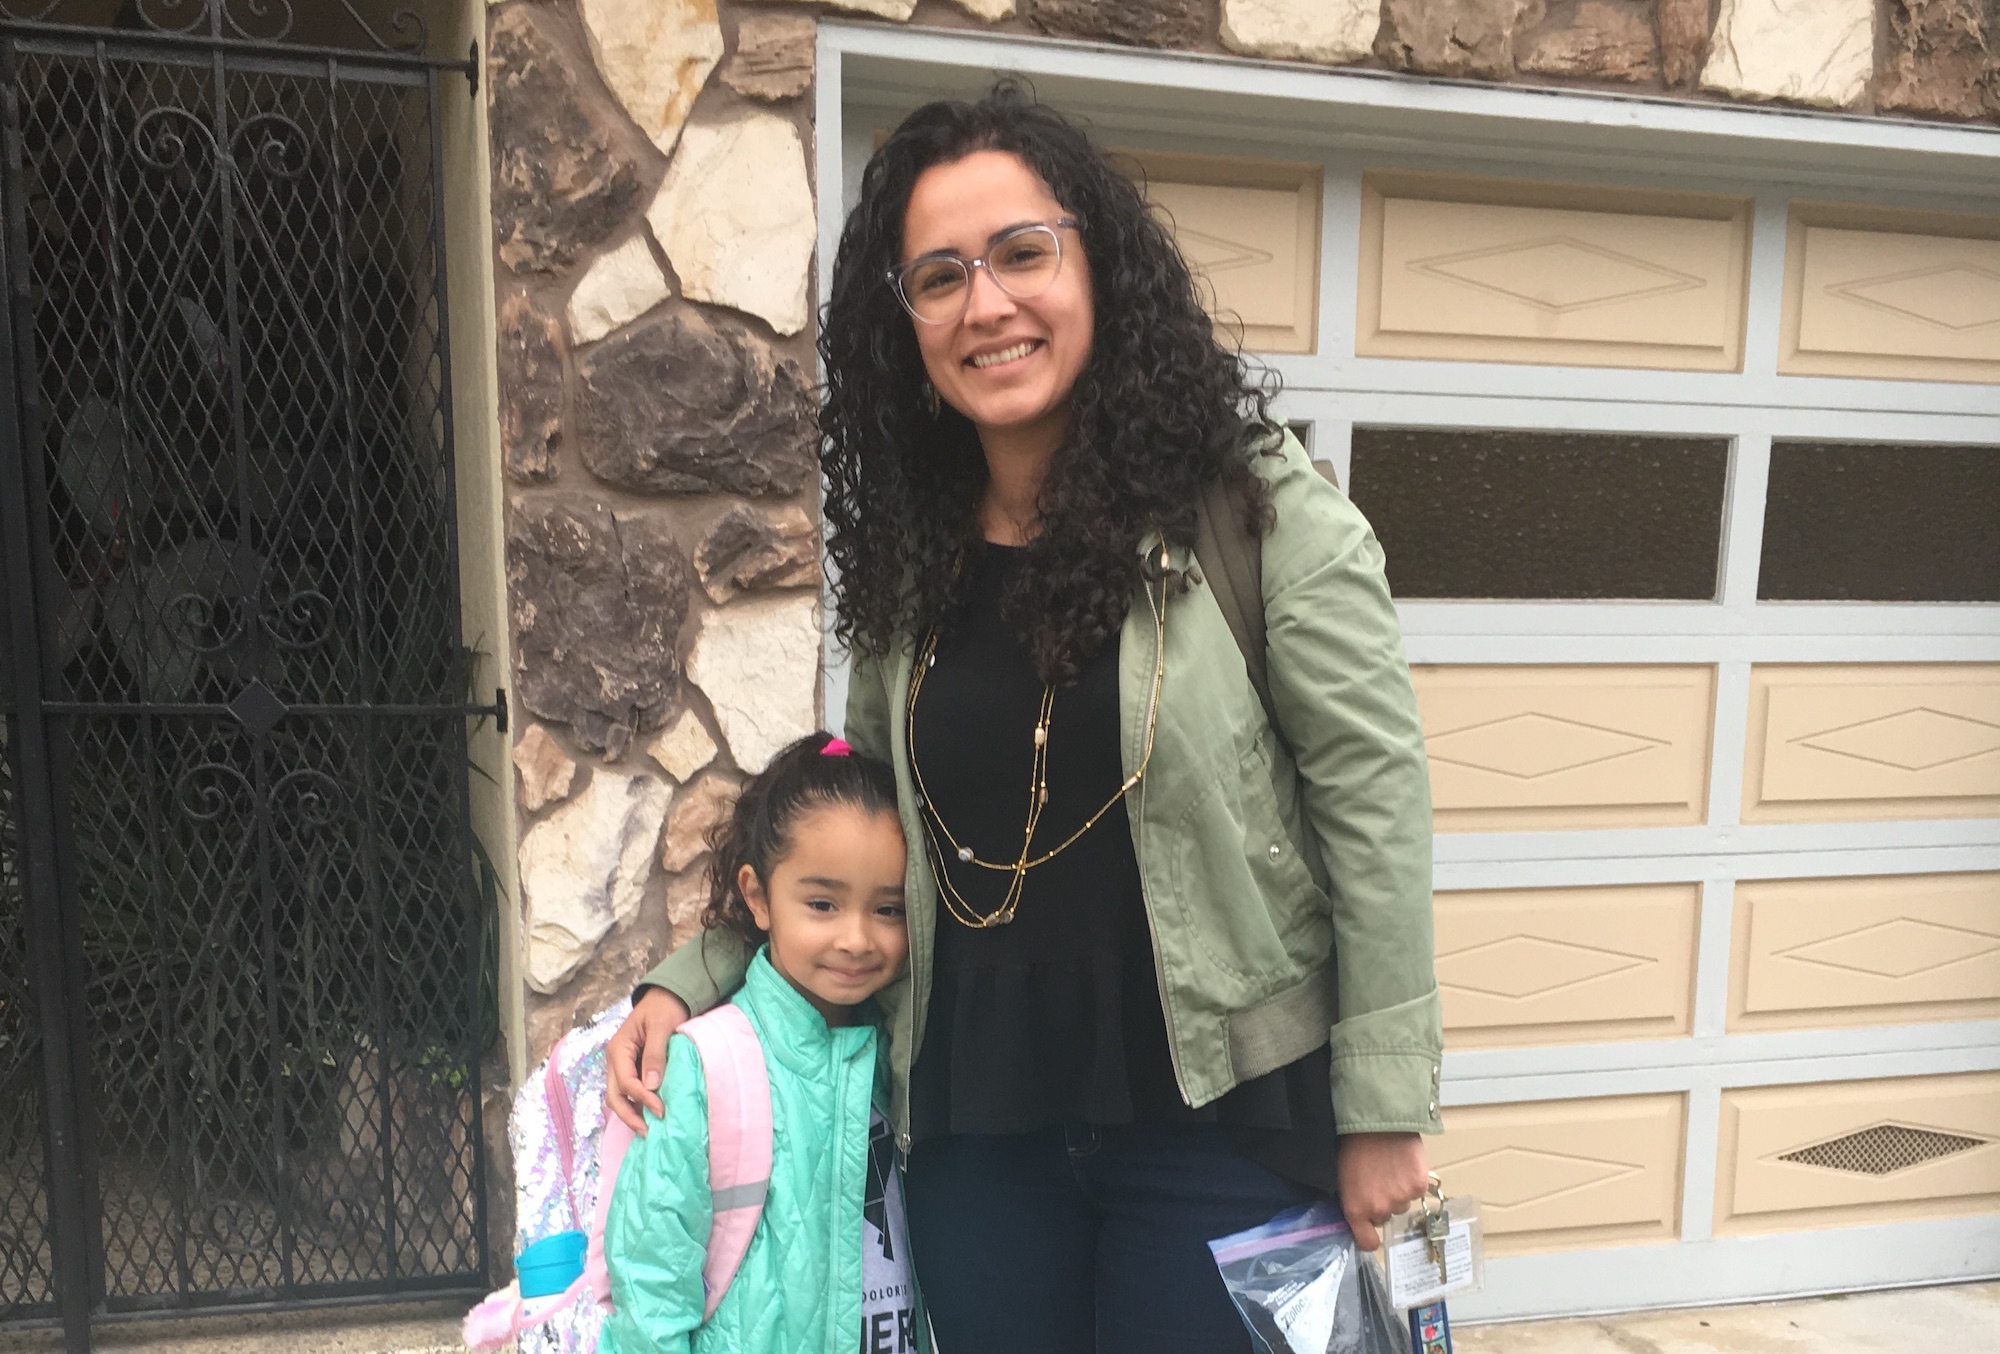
(1008, 363)
(987, 361)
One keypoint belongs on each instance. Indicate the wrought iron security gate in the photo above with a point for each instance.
(243, 940)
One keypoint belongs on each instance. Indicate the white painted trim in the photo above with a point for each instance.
(1689, 404)
(1662, 645)
(1711, 958)
(1485, 1075)
(831, 156)
(1640, 855)
(1781, 621)
(1458, 1090)
(1743, 525)
(1697, 1272)
(832, 159)
(1729, 741)
(1701, 1149)
(1281, 103)
(1559, 386)
(1339, 246)
(1765, 308)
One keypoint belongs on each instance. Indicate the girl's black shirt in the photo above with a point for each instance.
(1056, 1017)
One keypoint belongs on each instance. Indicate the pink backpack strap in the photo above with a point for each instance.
(562, 1123)
(611, 1148)
(739, 1140)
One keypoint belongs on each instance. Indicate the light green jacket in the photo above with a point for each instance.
(798, 1289)
(1290, 905)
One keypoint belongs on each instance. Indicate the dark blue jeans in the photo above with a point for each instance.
(1083, 1240)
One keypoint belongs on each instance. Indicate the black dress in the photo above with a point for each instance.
(1056, 1017)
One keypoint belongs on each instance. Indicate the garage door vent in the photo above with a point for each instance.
(1883, 1149)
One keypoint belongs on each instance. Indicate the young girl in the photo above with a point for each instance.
(810, 867)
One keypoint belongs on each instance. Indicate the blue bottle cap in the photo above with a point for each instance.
(552, 1264)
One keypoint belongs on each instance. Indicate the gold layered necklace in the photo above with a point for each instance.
(1038, 783)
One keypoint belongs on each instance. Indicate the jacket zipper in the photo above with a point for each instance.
(840, 1190)
(1146, 896)
(903, 1063)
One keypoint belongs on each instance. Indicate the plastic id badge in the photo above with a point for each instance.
(1434, 1252)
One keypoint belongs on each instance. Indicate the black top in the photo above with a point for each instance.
(1056, 1017)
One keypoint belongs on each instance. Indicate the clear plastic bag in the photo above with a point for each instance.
(1302, 1288)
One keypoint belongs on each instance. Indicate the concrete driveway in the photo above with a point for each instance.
(1960, 1319)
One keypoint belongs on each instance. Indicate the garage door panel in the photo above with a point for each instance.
(1870, 1151)
(1249, 229)
(1522, 748)
(1816, 952)
(1564, 966)
(1846, 742)
(1560, 1174)
(1499, 271)
(1886, 293)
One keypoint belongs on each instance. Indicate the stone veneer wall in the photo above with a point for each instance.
(656, 414)
(653, 237)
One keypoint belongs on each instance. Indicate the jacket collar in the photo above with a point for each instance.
(792, 1030)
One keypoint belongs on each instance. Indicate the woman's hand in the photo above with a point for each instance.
(636, 1057)
(1380, 1175)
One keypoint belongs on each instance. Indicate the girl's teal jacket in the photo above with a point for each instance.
(799, 1288)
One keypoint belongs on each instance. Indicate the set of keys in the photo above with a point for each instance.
(1437, 1223)
(1434, 1251)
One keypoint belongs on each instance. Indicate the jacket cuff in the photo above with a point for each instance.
(1386, 1068)
(703, 973)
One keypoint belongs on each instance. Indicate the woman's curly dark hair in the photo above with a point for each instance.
(1158, 412)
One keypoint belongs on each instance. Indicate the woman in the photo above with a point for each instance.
(1138, 1014)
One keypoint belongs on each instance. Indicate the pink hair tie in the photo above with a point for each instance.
(836, 747)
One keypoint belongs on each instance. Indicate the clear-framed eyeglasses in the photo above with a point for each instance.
(1024, 262)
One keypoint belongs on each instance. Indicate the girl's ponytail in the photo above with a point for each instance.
(816, 771)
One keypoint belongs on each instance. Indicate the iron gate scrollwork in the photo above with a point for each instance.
(244, 948)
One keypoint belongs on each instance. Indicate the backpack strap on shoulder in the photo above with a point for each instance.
(1232, 559)
(739, 1140)
(1233, 562)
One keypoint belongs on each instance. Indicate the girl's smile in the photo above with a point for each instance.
(833, 907)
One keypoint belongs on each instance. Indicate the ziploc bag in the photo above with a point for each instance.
(1301, 1287)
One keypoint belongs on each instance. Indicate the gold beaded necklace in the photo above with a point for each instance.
(1038, 781)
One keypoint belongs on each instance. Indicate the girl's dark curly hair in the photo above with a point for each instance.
(758, 831)
(1158, 413)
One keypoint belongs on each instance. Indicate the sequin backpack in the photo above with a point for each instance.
(567, 1151)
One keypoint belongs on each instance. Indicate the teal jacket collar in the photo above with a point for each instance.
(793, 1030)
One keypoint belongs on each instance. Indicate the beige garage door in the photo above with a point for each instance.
(1686, 458)
(1701, 598)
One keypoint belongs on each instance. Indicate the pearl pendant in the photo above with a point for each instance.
(965, 854)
